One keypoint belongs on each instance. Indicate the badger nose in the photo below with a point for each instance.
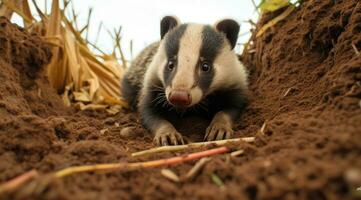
(180, 98)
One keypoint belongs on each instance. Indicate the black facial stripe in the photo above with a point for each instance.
(169, 74)
(212, 42)
(205, 79)
(173, 39)
(172, 47)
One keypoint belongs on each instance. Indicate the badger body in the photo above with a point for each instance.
(191, 71)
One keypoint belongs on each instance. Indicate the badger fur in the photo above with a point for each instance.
(193, 70)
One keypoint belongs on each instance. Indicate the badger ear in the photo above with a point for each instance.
(230, 28)
(167, 23)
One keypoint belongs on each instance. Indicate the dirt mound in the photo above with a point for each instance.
(24, 88)
(305, 111)
(306, 78)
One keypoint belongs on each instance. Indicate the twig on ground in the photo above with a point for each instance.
(355, 49)
(139, 165)
(218, 181)
(196, 168)
(288, 91)
(18, 181)
(263, 128)
(191, 145)
(237, 153)
(169, 174)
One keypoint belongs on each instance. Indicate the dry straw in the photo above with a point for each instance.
(84, 79)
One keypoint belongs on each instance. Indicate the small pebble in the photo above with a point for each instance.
(130, 132)
(109, 121)
(103, 131)
(353, 176)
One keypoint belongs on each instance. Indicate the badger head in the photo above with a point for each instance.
(195, 60)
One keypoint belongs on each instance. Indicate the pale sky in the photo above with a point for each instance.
(140, 18)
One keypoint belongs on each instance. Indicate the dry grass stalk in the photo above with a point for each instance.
(274, 21)
(191, 145)
(140, 165)
(74, 70)
(17, 181)
(20, 7)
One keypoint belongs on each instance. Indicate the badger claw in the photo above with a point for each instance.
(218, 131)
(170, 137)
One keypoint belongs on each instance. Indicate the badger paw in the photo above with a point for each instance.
(218, 131)
(168, 137)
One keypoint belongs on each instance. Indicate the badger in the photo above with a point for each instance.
(192, 70)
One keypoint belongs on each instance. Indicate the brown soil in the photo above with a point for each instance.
(306, 88)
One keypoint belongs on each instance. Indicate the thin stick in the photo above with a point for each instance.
(355, 49)
(140, 165)
(118, 45)
(288, 91)
(191, 145)
(169, 174)
(255, 7)
(75, 16)
(38, 10)
(18, 181)
(197, 168)
(98, 33)
(88, 24)
(131, 49)
(46, 6)
(97, 48)
(263, 127)
(218, 181)
(237, 153)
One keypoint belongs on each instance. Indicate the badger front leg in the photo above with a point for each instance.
(220, 128)
(166, 134)
(152, 119)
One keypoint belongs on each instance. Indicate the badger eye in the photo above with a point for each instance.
(205, 66)
(171, 65)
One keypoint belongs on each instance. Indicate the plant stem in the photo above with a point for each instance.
(139, 165)
(191, 145)
(18, 181)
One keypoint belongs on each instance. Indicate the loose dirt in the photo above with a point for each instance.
(305, 111)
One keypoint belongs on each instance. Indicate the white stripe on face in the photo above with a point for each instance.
(188, 56)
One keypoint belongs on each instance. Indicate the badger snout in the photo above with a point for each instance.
(180, 98)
